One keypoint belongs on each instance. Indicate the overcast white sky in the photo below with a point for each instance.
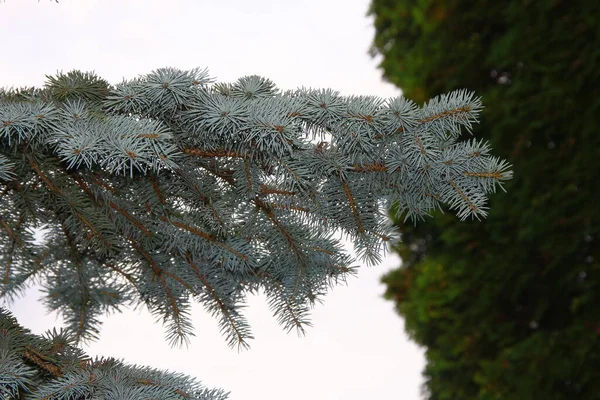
(357, 348)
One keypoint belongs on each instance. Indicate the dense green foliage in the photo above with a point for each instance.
(507, 308)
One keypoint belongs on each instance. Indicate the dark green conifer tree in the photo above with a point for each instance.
(507, 308)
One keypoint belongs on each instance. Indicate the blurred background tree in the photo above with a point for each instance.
(507, 308)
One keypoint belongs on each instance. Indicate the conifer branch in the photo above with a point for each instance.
(159, 274)
(210, 154)
(208, 237)
(168, 169)
(494, 175)
(352, 204)
(284, 232)
(156, 187)
(14, 237)
(463, 196)
(50, 367)
(293, 246)
(458, 111)
(42, 361)
(83, 185)
(372, 167)
(240, 338)
(265, 190)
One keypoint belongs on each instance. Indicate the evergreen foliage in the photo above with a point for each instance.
(169, 188)
(52, 367)
(507, 309)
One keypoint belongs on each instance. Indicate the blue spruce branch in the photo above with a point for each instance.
(170, 188)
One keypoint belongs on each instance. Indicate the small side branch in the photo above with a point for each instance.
(217, 299)
(353, 207)
(82, 184)
(211, 154)
(265, 190)
(374, 167)
(271, 215)
(445, 113)
(42, 361)
(160, 274)
(494, 175)
(464, 197)
(206, 236)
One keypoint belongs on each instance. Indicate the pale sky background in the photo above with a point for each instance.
(357, 348)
